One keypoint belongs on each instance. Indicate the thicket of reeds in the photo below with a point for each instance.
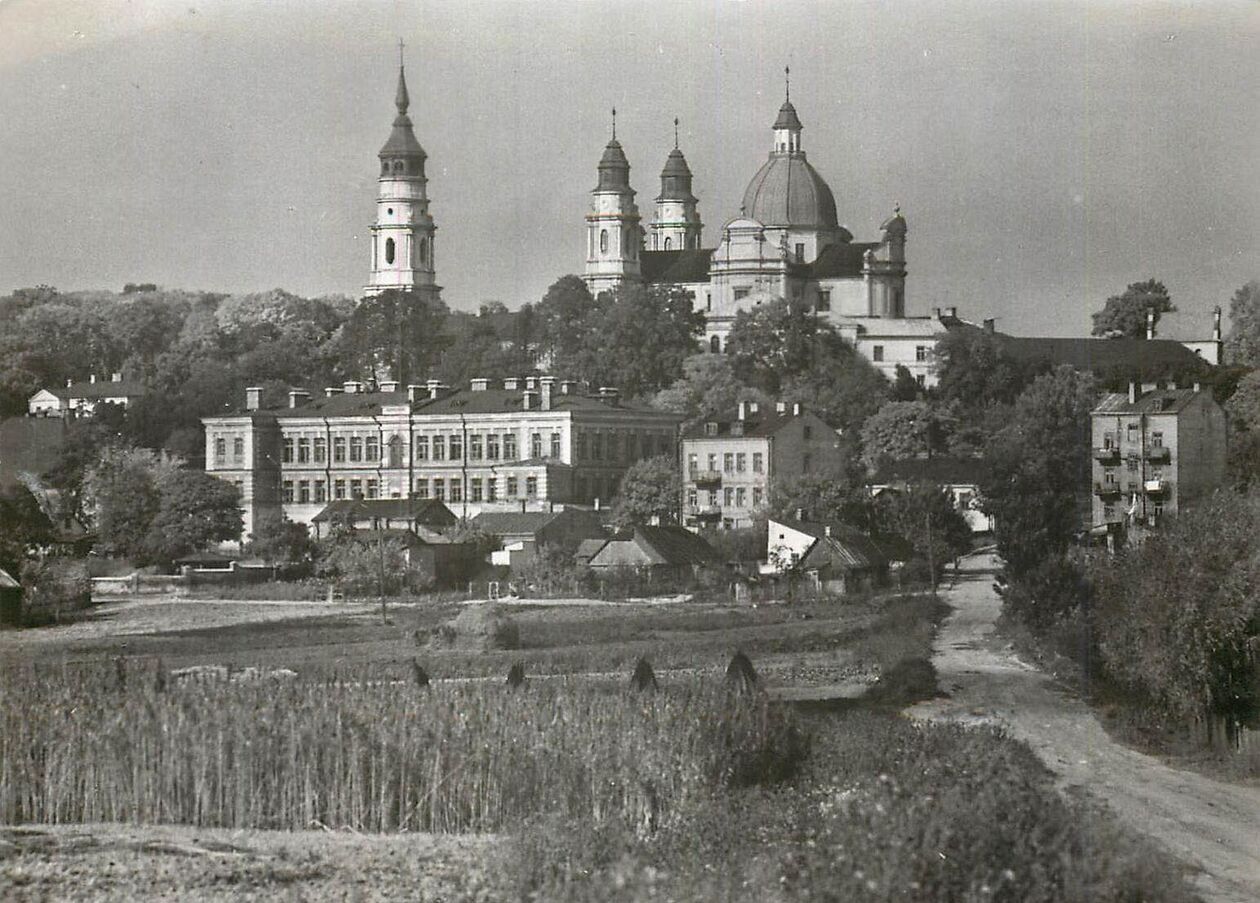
(127, 744)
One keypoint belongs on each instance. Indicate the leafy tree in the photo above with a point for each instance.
(194, 511)
(904, 386)
(366, 565)
(837, 494)
(925, 515)
(277, 539)
(651, 487)
(562, 319)
(396, 334)
(122, 498)
(972, 369)
(1040, 465)
(639, 338)
(901, 430)
(1242, 346)
(1243, 406)
(1243, 460)
(478, 350)
(1125, 315)
(707, 387)
(23, 527)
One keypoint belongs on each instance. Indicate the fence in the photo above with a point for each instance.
(137, 584)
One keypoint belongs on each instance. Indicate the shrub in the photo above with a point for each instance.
(478, 628)
(54, 587)
(1047, 592)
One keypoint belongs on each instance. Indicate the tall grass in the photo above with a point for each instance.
(88, 745)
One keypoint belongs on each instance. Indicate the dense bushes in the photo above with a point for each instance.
(884, 810)
(1177, 619)
(54, 588)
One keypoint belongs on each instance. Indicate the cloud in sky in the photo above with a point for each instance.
(1045, 154)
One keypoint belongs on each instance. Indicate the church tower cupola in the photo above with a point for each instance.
(787, 127)
(402, 236)
(613, 234)
(676, 224)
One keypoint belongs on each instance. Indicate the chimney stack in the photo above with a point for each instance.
(544, 386)
(609, 394)
(352, 387)
(566, 386)
(479, 384)
(414, 393)
(69, 383)
(529, 398)
(298, 397)
(743, 410)
(253, 398)
(780, 407)
(1196, 385)
(1150, 323)
(951, 312)
(796, 409)
(1133, 393)
(91, 377)
(1216, 323)
(330, 391)
(990, 325)
(117, 377)
(936, 312)
(511, 383)
(531, 382)
(389, 385)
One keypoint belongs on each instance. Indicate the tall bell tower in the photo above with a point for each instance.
(676, 225)
(613, 233)
(402, 236)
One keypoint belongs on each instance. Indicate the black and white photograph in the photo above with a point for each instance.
(590, 451)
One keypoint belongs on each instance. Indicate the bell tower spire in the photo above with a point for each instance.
(402, 236)
(613, 234)
(675, 223)
(787, 127)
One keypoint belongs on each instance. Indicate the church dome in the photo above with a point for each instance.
(787, 191)
(614, 168)
(676, 178)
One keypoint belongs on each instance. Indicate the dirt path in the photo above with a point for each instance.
(1213, 825)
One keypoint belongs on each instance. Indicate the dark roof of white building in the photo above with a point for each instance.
(1157, 401)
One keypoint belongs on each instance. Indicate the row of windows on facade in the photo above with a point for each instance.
(488, 447)
(732, 462)
(1133, 436)
(730, 497)
(303, 492)
(921, 353)
(1111, 475)
(1111, 511)
(691, 242)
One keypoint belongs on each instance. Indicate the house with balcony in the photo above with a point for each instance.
(730, 460)
(1154, 450)
(529, 444)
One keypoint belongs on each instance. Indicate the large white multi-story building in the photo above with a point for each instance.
(523, 444)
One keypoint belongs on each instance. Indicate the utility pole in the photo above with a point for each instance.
(931, 552)
(380, 579)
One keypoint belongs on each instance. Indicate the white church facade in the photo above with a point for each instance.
(786, 242)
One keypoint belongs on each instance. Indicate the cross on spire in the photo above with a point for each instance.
(401, 45)
(787, 83)
(614, 120)
(675, 133)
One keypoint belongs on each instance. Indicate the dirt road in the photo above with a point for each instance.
(1208, 824)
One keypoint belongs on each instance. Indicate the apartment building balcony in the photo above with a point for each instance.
(705, 514)
(706, 479)
(1107, 490)
(1159, 488)
(1107, 453)
(1157, 453)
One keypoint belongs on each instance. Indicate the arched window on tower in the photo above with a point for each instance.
(424, 252)
(399, 166)
(389, 250)
(667, 243)
(603, 241)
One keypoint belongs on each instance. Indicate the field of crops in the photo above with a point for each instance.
(128, 743)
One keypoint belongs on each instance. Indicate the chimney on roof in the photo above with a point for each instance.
(117, 377)
(330, 391)
(951, 312)
(609, 394)
(743, 410)
(352, 387)
(414, 393)
(529, 398)
(1197, 387)
(1216, 323)
(796, 409)
(253, 398)
(531, 382)
(91, 377)
(753, 407)
(1150, 323)
(827, 530)
(780, 407)
(389, 385)
(479, 384)
(435, 388)
(544, 386)
(1133, 392)
(69, 383)
(800, 513)
(298, 397)
(566, 386)
(511, 383)
(1149, 387)
(936, 312)
(990, 325)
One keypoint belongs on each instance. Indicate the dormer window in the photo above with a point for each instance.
(737, 428)
(711, 428)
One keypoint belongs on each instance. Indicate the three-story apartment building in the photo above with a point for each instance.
(1154, 450)
(527, 444)
(730, 461)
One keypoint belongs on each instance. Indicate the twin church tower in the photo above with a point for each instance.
(786, 241)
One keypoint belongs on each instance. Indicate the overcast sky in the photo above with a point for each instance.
(1045, 155)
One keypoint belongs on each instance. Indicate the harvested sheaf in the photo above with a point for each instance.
(643, 678)
(516, 676)
(418, 674)
(740, 674)
(478, 628)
